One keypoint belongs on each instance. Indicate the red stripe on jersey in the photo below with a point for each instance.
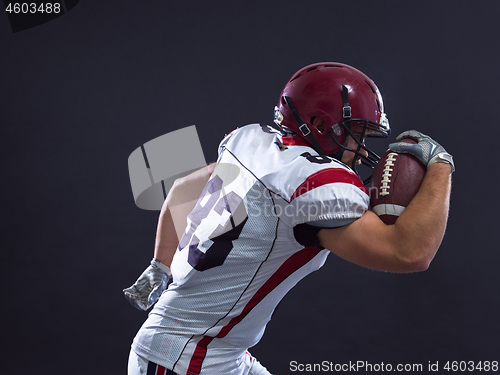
(295, 141)
(155, 369)
(328, 176)
(291, 265)
(198, 356)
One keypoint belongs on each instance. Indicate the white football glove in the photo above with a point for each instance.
(427, 150)
(149, 286)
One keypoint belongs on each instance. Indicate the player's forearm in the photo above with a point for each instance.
(166, 237)
(180, 200)
(422, 225)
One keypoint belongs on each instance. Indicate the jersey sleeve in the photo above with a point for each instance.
(330, 197)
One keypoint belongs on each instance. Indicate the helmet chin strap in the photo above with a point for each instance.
(306, 132)
(346, 114)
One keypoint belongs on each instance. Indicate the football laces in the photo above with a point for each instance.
(386, 173)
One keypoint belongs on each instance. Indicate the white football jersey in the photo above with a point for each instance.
(238, 256)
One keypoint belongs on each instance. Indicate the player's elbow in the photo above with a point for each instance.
(415, 252)
(411, 265)
(419, 265)
(177, 192)
(416, 259)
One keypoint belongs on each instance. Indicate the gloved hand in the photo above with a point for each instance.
(149, 286)
(427, 150)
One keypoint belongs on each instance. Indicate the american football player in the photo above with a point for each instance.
(279, 199)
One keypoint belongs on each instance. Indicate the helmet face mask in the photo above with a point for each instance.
(362, 153)
(345, 99)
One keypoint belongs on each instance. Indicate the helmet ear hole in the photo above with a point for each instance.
(318, 123)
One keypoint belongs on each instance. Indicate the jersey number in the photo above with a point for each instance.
(222, 237)
(317, 159)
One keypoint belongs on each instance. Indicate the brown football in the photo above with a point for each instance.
(396, 179)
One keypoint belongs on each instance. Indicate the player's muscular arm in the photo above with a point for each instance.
(181, 199)
(411, 243)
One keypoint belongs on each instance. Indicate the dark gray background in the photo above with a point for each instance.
(80, 93)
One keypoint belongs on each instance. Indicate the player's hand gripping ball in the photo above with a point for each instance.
(396, 179)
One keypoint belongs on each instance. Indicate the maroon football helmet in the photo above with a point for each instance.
(344, 98)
